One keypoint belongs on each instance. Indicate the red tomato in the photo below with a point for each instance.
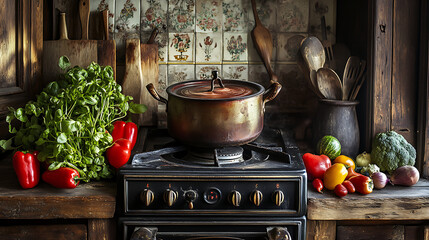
(340, 190)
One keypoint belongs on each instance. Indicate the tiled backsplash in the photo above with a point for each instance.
(197, 36)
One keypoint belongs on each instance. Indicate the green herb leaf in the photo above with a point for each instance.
(64, 62)
(55, 166)
(62, 138)
(6, 144)
(137, 108)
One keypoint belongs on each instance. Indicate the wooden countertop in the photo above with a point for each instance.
(88, 200)
(390, 203)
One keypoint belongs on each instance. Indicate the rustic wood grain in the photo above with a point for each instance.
(423, 100)
(388, 232)
(80, 52)
(406, 27)
(88, 200)
(101, 229)
(390, 203)
(60, 231)
(132, 84)
(426, 233)
(150, 72)
(380, 66)
(325, 230)
(106, 51)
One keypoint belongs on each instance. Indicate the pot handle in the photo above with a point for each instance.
(272, 92)
(155, 94)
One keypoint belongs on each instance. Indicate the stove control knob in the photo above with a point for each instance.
(256, 197)
(147, 197)
(190, 196)
(278, 197)
(170, 197)
(235, 198)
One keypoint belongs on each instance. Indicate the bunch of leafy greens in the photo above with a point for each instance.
(68, 123)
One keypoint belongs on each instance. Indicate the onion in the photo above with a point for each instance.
(405, 175)
(380, 180)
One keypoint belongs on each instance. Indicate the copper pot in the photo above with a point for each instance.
(201, 114)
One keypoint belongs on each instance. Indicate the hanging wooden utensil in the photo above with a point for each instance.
(84, 17)
(263, 42)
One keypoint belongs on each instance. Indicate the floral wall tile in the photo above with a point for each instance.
(235, 15)
(266, 12)
(181, 15)
(180, 47)
(127, 25)
(319, 8)
(97, 6)
(162, 80)
(153, 14)
(180, 73)
(208, 15)
(235, 47)
(293, 16)
(162, 40)
(253, 54)
(204, 72)
(288, 46)
(235, 72)
(208, 48)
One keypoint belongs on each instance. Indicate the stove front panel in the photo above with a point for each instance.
(174, 229)
(215, 195)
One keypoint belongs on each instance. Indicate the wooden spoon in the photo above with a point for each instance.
(350, 76)
(329, 83)
(263, 42)
(84, 17)
(313, 53)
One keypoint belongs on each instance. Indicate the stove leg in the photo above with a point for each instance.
(144, 233)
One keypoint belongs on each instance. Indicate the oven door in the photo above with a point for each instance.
(211, 228)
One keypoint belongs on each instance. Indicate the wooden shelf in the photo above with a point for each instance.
(390, 203)
(89, 200)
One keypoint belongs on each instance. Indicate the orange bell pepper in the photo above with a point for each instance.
(351, 173)
(346, 161)
(335, 175)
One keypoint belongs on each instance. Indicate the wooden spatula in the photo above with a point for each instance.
(263, 42)
(84, 17)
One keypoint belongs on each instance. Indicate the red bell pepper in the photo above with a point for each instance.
(316, 165)
(362, 183)
(127, 130)
(27, 169)
(119, 153)
(63, 177)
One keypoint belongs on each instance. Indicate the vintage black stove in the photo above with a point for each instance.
(254, 191)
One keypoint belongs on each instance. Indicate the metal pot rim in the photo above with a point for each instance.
(260, 90)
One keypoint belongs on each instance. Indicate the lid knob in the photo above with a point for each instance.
(216, 77)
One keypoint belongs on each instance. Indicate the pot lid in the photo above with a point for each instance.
(215, 89)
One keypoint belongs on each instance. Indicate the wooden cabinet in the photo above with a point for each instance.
(21, 43)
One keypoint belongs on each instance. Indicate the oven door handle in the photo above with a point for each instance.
(144, 233)
(278, 233)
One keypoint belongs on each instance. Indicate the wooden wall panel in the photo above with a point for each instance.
(405, 57)
(8, 44)
(379, 66)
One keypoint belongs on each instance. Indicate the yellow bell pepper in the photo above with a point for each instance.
(335, 175)
(346, 161)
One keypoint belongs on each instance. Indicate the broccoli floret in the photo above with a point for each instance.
(390, 150)
(370, 169)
